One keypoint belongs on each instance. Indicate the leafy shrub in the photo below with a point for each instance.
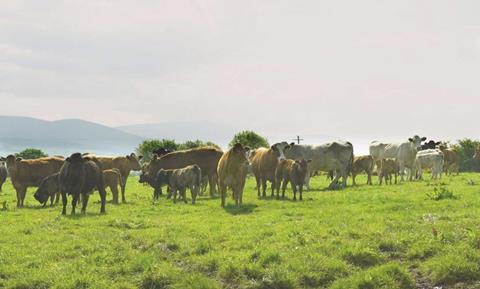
(250, 139)
(31, 153)
(441, 193)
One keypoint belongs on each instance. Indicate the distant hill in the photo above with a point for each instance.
(63, 137)
(182, 131)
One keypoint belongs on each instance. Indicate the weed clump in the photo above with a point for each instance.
(441, 193)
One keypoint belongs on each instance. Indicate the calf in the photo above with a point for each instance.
(387, 167)
(112, 178)
(178, 180)
(362, 164)
(451, 160)
(49, 188)
(293, 172)
(429, 159)
(232, 171)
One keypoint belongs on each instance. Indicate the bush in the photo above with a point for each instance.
(466, 149)
(148, 146)
(441, 193)
(196, 144)
(31, 153)
(250, 139)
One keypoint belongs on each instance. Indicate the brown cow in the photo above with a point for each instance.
(49, 188)
(293, 172)
(178, 180)
(264, 163)
(125, 164)
(3, 174)
(362, 164)
(112, 178)
(451, 160)
(30, 173)
(81, 175)
(206, 158)
(232, 172)
(388, 167)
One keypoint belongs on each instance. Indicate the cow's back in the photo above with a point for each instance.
(32, 172)
(206, 158)
(264, 162)
(331, 156)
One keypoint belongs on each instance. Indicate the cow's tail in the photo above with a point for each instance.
(350, 161)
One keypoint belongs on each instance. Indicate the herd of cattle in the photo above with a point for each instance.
(81, 174)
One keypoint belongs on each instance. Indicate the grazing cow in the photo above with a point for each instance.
(125, 164)
(451, 160)
(178, 180)
(294, 172)
(387, 167)
(429, 159)
(49, 188)
(112, 178)
(30, 173)
(334, 156)
(206, 158)
(3, 174)
(404, 153)
(430, 145)
(264, 163)
(232, 172)
(362, 164)
(81, 175)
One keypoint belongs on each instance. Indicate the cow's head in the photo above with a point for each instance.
(416, 141)
(242, 153)
(161, 151)
(430, 145)
(303, 165)
(280, 148)
(477, 154)
(77, 159)
(144, 177)
(11, 161)
(42, 194)
(134, 162)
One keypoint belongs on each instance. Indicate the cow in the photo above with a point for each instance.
(232, 172)
(451, 160)
(30, 173)
(264, 163)
(429, 159)
(294, 172)
(362, 164)
(178, 180)
(387, 167)
(81, 175)
(3, 174)
(334, 156)
(403, 152)
(206, 158)
(49, 188)
(125, 164)
(112, 178)
(430, 145)
(161, 151)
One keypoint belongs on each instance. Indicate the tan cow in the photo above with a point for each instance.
(451, 160)
(294, 172)
(30, 173)
(112, 178)
(232, 172)
(362, 164)
(387, 167)
(206, 158)
(264, 163)
(125, 164)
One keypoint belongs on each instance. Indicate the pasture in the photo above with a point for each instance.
(400, 236)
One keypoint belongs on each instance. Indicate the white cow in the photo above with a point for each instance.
(432, 159)
(403, 152)
(335, 156)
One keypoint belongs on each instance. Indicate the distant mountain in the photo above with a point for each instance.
(63, 136)
(182, 131)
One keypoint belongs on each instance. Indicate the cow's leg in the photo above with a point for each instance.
(294, 189)
(300, 190)
(264, 187)
(174, 192)
(273, 185)
(284, 187)
(212, 182)
(57, 198)
(369, 178)
(84, 203)
(353, 179)
(402, 171)
(52, 198)
(103, 198)
(194, 190)
(19, 197)
(183, 191)
(64, 203)
(277, 187)
(259, 185)
(74, 202)
(223, 193)
(114, 190)
(307, 180)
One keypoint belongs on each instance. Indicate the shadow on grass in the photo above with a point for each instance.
(242, 210)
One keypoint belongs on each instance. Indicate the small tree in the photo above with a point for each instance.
(148, 146)
(31, 153)
(196, 144)
(250, 139)
(466, 149)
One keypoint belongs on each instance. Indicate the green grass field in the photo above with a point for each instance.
(398, 236)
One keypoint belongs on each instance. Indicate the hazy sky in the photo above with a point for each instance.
(350, 69)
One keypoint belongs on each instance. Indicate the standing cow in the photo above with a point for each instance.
(206, 158)
(429, 159)
(232, 172)
(451, 162)
(30, 173)
(294, 172)
(264, 163)
(125, 164)
(362, 164)
(81, 175)
(334, 156)
(178, 180)
(112, 178)
(404, 153)
(49, 188)
(386, 168)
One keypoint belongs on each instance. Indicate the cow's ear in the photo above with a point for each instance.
(424, 138)
(132, 155)
(67, 159)
(437, 143)
(410, 139)
(127, 156)
(140, 157)
(246, 149)
(18, 159)
(292, 144)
